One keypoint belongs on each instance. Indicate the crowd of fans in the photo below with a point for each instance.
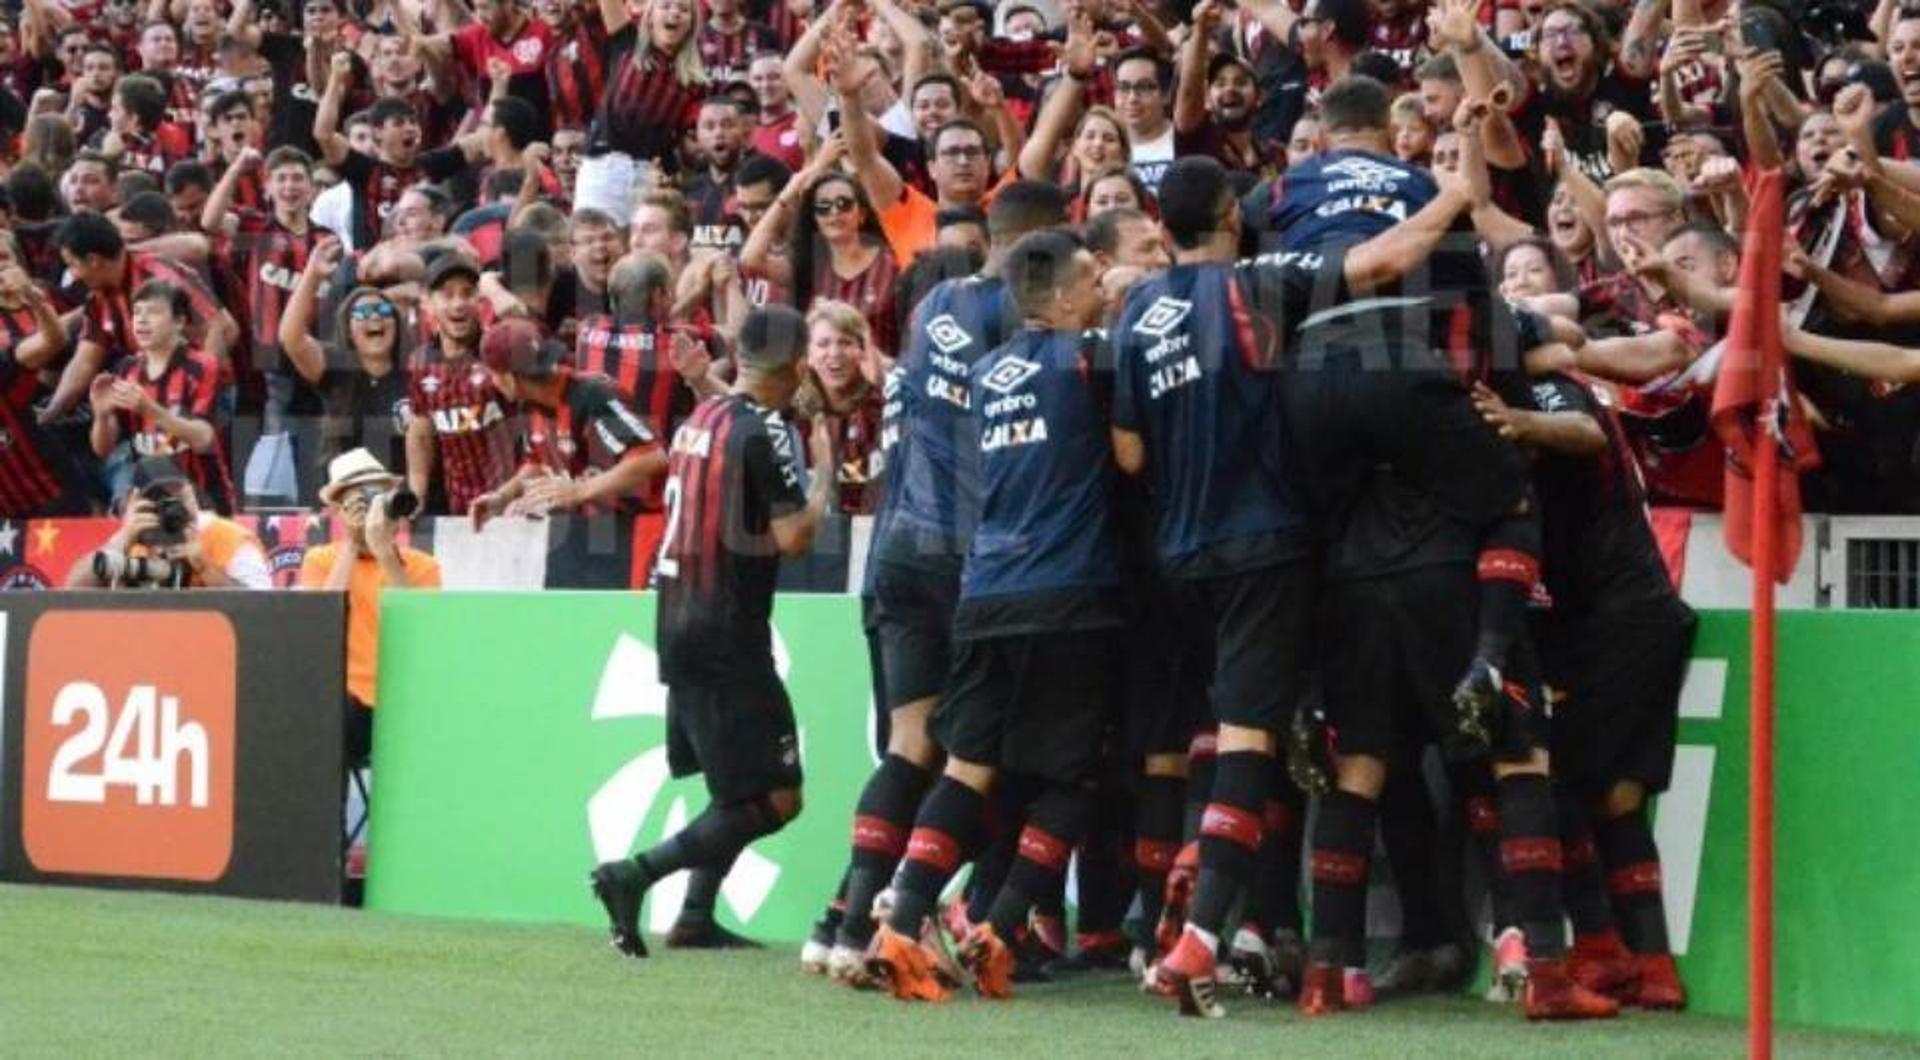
(254, 236)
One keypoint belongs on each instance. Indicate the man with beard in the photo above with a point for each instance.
(1581, 86)
(460, 425)
(1214, 108)
(728, 41)
(93, 92)
(718, 132)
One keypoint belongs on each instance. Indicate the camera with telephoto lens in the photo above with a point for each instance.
(172, 513)
(398, 504)
(118, 568)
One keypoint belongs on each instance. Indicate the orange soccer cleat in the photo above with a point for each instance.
(1604, 965)
(991, 962)
(1551, 994)
(1187, 972)
(1660, 986)
(903, 967)
(1323, 991)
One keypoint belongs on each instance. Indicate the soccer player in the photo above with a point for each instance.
(1195, 410)
(735, 506)
(926, 514)
(1041, 602)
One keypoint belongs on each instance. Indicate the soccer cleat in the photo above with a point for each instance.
(946, 968)
(1476, 706)
(1442, 969)
(1356, 988)
(1048, 933)
(1188, 973)
(1289, 961)
(1551, 994)
(1323, 991)
(1660, 986)
(1604, 965)
(1509, 967)
(620, 887)
(847, 965)
(1173, 906)
(1252, 959)
(1104, 951)
(902, 967)
(707, 935)
(954, 918)
(1309, 753)
(817, 951)
(990, 961)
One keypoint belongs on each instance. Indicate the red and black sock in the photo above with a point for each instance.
(1201, 759)
(712, 839)
(1342, 849)
(1480, 805)
(1633, 879)
(1509, 565)
(1582, 889)
(1006, 816)
(881, 821)
(1276, 889)
(1156, 839)
(1530, 859)
(1054, 825)
(1229, 836)
(944, 833)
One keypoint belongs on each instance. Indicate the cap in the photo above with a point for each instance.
(157, 471)
(449, 264)
(517, 346)
(1222, 60)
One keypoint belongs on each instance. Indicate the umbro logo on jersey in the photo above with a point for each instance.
(947, 334)
(1367, 169)
(1163, 316)
(1009, 374)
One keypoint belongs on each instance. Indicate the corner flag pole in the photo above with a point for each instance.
(1760, 741)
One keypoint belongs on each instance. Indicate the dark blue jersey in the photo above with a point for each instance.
(1340, 198)
(1047, 530)
(1197, 358)
(931, 500)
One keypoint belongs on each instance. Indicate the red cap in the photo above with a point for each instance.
(515, 345)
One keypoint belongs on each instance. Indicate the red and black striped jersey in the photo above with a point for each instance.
(15, 325)
(156, 151)
(249, 190)
(109, 314)
(727, 55)
(734, 468)
(265, 260)
(787, 26)
(28, 485)
(473, 435)
(637, 360)
(857, 441)
(577, 71)
(871, 292)
(188, 385)
(592, 429)
(378, 186)
(646, 109)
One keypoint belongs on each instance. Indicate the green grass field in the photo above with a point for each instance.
(93, 973)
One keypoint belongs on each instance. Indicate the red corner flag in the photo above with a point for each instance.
(1754, 392)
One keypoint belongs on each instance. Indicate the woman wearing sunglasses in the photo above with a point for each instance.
(359, 373)
(835, 248)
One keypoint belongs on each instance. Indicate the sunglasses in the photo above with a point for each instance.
(370, 310)
(829, 207)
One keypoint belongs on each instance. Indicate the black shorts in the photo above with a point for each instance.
(739, 733)
(912, 615)
(1617, 712)
(1355, 403)
(1035, 705)
(1164, 698)
(1253, 630)
(1395, 649)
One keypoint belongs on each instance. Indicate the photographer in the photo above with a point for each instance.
(166, 541)
(369, 500)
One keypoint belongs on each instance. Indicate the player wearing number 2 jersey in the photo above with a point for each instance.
(735, 504)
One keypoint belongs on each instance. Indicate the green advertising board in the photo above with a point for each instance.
(522, 738)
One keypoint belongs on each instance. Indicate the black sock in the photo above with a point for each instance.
(1229, 836)
(1509, 565)
(946, 828)
(1103, 880)
(880, 824)
(1479, 804)
(1582, 889)
(1202, 759)
(1156, 840)
(1276, 889)
(1633, 878)
(1407, 831)
(703, 888)
(1342, 848)
(1530, 858)
(1054, 825)
(714, 838)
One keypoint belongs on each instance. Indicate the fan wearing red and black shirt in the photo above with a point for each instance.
(397, 163)
(582, 446)
(99, 261)
(460, 423)
(34, 473)
(1216, 100)
(658, 367)
(654, 81)
(1897, 130)
(162, 401)
(138, 134)
(736, 505)
(502, 34)
(729, 41)
(576, 63)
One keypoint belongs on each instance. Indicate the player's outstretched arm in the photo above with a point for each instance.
(1874, 360)
(793, 533)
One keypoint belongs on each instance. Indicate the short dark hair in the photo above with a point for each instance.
(952, 83)
(34, 196)
(591, 217)
(288, 155)
(1024, 206)
(934, 266)
(773, 337)
(131, 182)
(101, 47)
(1356, 103)
(162, 291)
(503, 184)
(392, 108)
(89, 234)
(1192, 195)
(188, 173)
(143, 97)
(1103, 232)
(1711, 234)
(1349, 21)
(1380, 66)
(1039, 264)
(956, 125)
(228, 102)
(1162, 69)
(1439, 67)
(947, 217)
(760, 169)
(150, 208)
(526, 260)
(520, 120)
